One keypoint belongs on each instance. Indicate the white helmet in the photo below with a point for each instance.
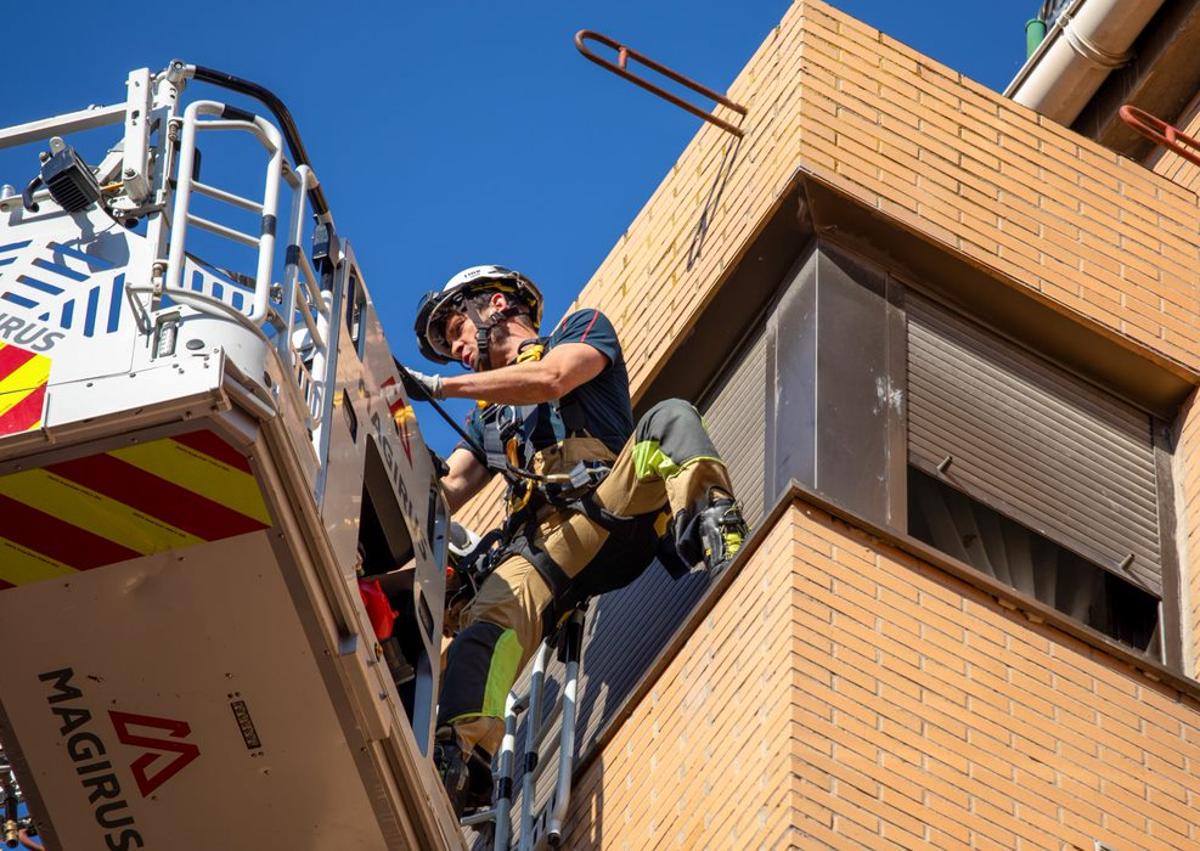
(436, 307)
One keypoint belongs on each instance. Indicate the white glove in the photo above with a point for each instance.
(420, 385)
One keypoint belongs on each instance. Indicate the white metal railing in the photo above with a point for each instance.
(302, 296)
(303, 322)
(298, 320)
(181, 216)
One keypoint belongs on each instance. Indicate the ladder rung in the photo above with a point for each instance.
(547, 723)
(482, 817)
(221, 230)
(228, 197)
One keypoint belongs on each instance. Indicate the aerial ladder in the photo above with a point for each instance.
(199, 461)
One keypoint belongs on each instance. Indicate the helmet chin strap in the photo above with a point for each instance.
(483, 332)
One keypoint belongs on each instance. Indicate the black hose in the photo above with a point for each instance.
(268, 98)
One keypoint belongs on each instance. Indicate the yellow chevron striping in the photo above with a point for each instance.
(167, 459)
(21, 566)
(79, 506)
(22, 381)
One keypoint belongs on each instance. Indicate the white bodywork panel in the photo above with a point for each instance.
(154, 637)
(191, 664)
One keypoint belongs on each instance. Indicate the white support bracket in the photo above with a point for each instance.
(135, 165)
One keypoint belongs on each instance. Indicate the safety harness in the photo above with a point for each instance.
(531, 497)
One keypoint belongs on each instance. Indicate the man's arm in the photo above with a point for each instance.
(465, 479)
(564, 368)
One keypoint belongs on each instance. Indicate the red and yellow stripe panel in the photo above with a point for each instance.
(113, 506)
(402, 414)
(23, 377)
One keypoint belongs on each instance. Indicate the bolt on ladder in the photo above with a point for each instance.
(545, 827)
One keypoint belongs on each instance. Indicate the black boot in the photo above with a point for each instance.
(468, 780)
(722, 533)
(452, 768)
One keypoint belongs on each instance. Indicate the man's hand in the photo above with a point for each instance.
(420, 386)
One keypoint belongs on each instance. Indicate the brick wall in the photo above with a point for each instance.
(928, 714)
(842, 693)
(1091, 231)
(703, 762)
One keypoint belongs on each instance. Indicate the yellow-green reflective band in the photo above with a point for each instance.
(649, 461)
(463, 717)
(502, 673)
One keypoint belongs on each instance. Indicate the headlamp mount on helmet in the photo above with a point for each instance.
(460, 296)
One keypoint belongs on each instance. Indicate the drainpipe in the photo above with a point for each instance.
(1035, 34)
(1089, 40)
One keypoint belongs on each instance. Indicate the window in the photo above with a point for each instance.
(356, 313)
(919, 419)
(1019, 557)
(1032, 475)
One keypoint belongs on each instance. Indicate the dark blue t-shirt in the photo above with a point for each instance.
(601, 406)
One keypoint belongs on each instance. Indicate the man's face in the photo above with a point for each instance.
(460, 334)
(464, 348)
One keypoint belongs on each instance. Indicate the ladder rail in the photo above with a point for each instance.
(560, 801)
(533, 727)
(546, 823)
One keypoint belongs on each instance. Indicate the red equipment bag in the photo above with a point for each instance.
(379, 608)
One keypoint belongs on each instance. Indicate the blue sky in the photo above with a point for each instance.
(453, 133)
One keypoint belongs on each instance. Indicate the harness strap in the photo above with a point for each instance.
(484, 328)
(620, 525)
(564, 596)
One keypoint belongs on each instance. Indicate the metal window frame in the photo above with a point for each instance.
(1171, 605)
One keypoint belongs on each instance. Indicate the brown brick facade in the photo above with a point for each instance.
(888, 703)
(844, 694)
(704, 760)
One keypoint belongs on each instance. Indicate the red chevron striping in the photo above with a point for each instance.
(11, 358)
(155, 497)
(57, 539)
(207, 443)
(25, 414)
(396, 403)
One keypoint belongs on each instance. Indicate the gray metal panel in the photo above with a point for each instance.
(792, 369)
(852, 404)
(1039, 444)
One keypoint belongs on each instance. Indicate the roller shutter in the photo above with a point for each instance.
(1038, 444)
(735, 414)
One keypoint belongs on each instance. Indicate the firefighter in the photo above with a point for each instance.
(592, 498)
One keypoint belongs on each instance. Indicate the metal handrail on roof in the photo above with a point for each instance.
(621, 68)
